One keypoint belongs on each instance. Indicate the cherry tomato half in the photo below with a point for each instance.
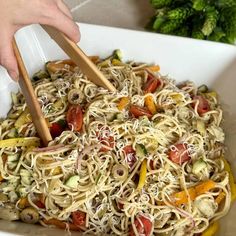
(106, 138)
(151, 85)
(79, 218)
(138, 111)
(130, 155)
(39, 204)
(179, 154)
(143, 226)
(74, 117)
(203, 105)
(56, 130)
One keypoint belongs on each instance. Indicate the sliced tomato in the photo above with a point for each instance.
(151, 85)
(39, 204)
(130, 155)
(179, 154)
(105, 137)
(151, 164)
(109, 141)
(138, 111)
(74, 117)
(79, 218)
(143, 226)
(56, 130)
(203, 105)
(40, 201)
(128, 149)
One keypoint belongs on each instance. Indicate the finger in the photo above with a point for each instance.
(63, 23)
(7, 58)
(62, 6)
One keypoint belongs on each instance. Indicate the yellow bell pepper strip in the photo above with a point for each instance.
(57, 171)
(154, 68)
(182, 197)
(149, 103)
(220, 197)
(212, 229)
(20, 142)
(212, 94)
(116, 62)
(23, 119)
(142, 175)
(61, 224)
(204, 187)
(1, 178)
(124, 101)
(23, 203)
(231, 179)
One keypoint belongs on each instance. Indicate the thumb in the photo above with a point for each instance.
(7, 57)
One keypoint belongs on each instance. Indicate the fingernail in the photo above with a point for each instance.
(14, 75)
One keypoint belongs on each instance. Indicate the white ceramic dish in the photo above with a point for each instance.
(210, 63)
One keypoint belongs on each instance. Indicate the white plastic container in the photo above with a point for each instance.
(203, 62)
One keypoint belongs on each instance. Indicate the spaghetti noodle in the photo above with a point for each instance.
(146, 160)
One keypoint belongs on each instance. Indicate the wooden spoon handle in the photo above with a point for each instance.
(31, 99)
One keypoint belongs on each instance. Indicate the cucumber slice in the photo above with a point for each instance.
(12, 165)
(117, 54)
(13, 157)
(26, 178)
(141, 151)
(120, 116)
(198, 166)
(13, 133)
(72, 182)
(203, 88)
(12, 196)
(40, 75)
(201, 127)
(22, 191)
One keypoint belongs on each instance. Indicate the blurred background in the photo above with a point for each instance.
(132, 14)
(213, 20)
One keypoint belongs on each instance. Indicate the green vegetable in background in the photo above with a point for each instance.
(217, 34)
(201, 19)
(183, 31)
(226, 3)
(169, 26)
(197, 34)
(199, 5)
(180, 13)
(229, 23)
(161, 3)
(159, 19)
(210, 21)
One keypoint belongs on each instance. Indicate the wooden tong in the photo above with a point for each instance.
(31, 99)
(80, 59)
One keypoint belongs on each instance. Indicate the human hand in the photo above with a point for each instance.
(15, 14)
